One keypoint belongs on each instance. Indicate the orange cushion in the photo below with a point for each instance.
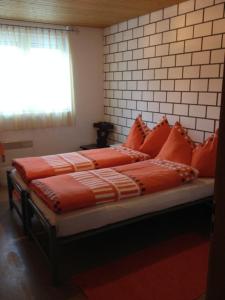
(137, 134)
(178, 147)
(156, 138)
(204, 157)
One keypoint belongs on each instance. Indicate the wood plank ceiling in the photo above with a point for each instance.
(93, 13)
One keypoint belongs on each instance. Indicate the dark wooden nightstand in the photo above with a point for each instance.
(91, 146)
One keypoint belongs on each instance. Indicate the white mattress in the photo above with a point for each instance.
(109, 213)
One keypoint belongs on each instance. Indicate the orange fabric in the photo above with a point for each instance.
(156, 138)
(2, 152)
(31, 168)
(204, 157)
(178, 147)
(73, 191)
(137, 134)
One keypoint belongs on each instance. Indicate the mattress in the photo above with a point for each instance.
(105, 214)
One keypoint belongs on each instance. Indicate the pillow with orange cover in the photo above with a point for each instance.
(137, 134)
(156, 138)
(204, 157)
(178, 147)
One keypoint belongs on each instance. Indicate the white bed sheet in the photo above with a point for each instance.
(109, 213)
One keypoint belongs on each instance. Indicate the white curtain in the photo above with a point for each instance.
(36, 82)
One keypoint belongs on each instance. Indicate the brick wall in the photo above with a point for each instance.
(168, 62)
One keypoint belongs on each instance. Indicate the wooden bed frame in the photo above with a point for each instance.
(29, 210)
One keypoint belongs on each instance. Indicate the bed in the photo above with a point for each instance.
(65, 226)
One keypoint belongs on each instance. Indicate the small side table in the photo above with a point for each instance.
(91, 146)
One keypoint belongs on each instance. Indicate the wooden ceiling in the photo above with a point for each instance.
(93, 13)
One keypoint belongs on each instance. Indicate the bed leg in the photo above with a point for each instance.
(10, 190)
(53, 255)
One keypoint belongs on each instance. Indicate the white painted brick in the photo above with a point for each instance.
(109, 94)
(110, 39)
(200, 85)
(132, 23)
(221, 70)
(186, 6)
(188, 122)
(138, 32)
(207, 98)
(149, 52)
(177, 22)
(200, 58)
(132, 85)
(213, 112)
(127, 35)
(123, 26)
(126, 113)
(156, 39)
(137, 75)
(166, 108)
(127, 55)
(210, 71)
(156, 16)
(219, 99)
(118, 37)
(118, 94)
(170, 11)
(106, 67)
(142, 105)
(126, 75)
(194, 17)
(212, 42)
(154, 85)
(175, 73)
(167, 85)
(161, 73)
(113, 85)
(106, 31)
(147, 96)
(177, 47)
(219, 26)
(109, 58)
(114, 28)
(172, 119)
(142, 64)
(183, 59)
(122, 66)
(185, 33)
(155, 62)
(196, 136)
(109, 76)
(131, 104)
(162, 25)
(182, 85)
(118, 112)
(147, 116)
(157, 117)
(181, 109)
(117, 75)
(217, 56)
(113, 102)
(127, 94)
(215, 85)
(113, 48)
(153, 106)
(204, 124)
(122, 121)
(160, 96)
(191, 72)
(162, 50)
(149, 29)
(203, 29)
(214, 12)
(193, 45)
(190, 98)
(132, 65)
(144, 20)
(118, 56)
(197, 111)
(203, 3)
(169, 36)
(132, 44)
(143, 42)
(168, 61)
(113, 67)
(174, 97)
(219, 1)
(142, 85)
(106, 49)
(148, 74)
(138, 54)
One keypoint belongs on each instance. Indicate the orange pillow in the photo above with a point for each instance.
(137, 134)
(156, 138)
(178, 147)
(204, 157)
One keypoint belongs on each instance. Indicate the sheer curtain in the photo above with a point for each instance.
(36, 82)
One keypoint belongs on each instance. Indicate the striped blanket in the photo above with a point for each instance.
(73, 191)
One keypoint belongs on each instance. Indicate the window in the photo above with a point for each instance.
(35, 78)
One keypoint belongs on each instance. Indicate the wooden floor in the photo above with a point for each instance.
(24, 272)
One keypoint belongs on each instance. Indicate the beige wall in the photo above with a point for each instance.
(88, 69)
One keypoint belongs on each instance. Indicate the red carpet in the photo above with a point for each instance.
(171, 270)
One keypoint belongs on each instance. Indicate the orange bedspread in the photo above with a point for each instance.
(31, 168)
(73, 191)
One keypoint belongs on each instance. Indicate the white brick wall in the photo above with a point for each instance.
(168, 62)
